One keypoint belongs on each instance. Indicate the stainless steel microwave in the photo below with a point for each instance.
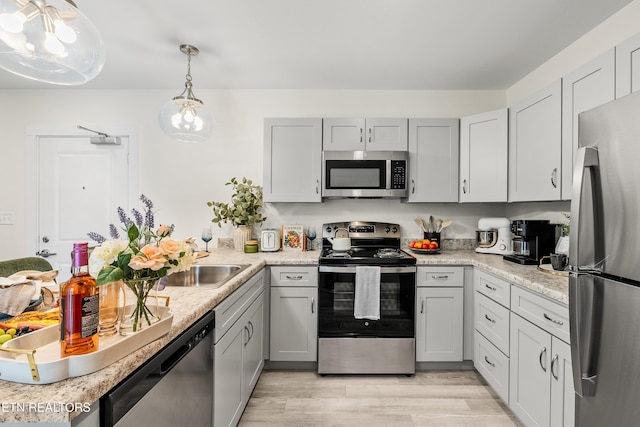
(366, 174)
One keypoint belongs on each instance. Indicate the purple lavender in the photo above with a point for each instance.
(113, 231)
(124, 218)
(148, 203)
(96, 237)
(137, 217)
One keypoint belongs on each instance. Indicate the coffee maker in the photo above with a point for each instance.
(532, 240)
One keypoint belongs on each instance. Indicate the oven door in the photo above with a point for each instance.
(336, 292)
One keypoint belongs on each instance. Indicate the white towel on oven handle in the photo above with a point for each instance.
(366, 304)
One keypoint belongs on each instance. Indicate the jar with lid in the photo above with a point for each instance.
(251, 246)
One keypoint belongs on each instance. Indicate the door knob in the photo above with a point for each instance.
(45, 253)
(45, 239)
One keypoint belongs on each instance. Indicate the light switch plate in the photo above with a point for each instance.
(6, 218)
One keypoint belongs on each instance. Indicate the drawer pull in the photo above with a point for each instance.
(491, 288)
(294, 277)
(543, 353)
(440, 277)
(489, 319)
(422, 306)
(557, 322)
(493, 365)
(554, 363)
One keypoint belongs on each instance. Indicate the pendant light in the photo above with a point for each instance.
(185, 117)
(49, 41)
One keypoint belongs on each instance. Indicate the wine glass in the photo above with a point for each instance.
(311, 235)
(207, 235)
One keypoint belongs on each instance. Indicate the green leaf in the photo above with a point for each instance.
(133, 232)
(109, 274)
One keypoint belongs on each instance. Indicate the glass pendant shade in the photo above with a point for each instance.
(49, 41)
(185, 117)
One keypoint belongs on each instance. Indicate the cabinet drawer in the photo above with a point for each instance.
(492, 321)
(546, 314)
(234, 306)
(493, 365)
(294, 275)
(492, 287)
(440, 276)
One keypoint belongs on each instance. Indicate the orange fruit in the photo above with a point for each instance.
(426, 242)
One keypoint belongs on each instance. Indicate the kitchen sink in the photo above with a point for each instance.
(209, 276)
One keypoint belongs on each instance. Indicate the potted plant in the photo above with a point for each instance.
(243, 212)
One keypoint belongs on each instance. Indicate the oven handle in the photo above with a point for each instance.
(352, 269)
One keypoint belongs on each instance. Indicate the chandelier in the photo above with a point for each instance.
(49, 41)
(185, 117)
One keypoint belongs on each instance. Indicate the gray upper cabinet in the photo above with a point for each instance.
(535, 137)
(433, 160)
(358, 134)
(587, 87)
(484, 142)
(628, 66)
(292, 160)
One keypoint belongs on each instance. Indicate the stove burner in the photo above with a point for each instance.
(389, 253)
(341, 254)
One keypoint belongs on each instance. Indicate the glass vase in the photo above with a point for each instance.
(111, 302)
(138, 313)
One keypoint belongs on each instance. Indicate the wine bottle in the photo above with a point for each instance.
(79, 307)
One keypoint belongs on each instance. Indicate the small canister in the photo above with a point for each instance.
(251, 246)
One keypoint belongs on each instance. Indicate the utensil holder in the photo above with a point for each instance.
(434, 237)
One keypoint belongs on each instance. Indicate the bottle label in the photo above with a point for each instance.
(90, 315)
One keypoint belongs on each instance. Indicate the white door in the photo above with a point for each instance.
(79, 187)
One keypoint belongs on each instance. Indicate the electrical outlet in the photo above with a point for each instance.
(6, 218)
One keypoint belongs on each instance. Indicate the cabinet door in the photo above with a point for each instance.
(343, 134)
(386, 135)
(292, 160)
(529, 379)
(563, 397)
(252, 353)
(589, 86)
(483, 157)
(228, 402)
(535, 147)
(294, 324)
(439, 326)
(628, 66)
(433, 160)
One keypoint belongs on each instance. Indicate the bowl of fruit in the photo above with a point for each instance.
(425, 246)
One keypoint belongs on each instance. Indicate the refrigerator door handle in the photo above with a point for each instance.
(586, 157)
(584, 326)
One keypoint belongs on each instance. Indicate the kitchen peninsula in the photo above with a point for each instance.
(189, 304)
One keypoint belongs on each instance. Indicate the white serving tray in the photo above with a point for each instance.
(46, 366)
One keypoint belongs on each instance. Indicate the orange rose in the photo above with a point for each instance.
(163, 230)
(170, 248)
(151, 258)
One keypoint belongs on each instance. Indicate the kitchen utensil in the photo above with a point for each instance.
(421, 223)
(340, 244)
(432, 224)
(438, 225)
(445, 224)
(494, 236)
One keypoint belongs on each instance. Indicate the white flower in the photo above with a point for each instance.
(105, 254)
(184, 262)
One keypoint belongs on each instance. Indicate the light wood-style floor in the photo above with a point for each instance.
(433, 398)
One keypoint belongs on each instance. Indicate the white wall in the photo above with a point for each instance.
(619, 27)
(181, 178)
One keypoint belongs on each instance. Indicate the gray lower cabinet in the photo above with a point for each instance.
(439, 314)
(294, 314)
(238, 350)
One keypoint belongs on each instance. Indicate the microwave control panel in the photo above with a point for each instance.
(398, 174)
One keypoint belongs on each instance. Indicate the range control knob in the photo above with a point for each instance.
(394, 229)
(387, 229)
(328, 230)
(503, 247)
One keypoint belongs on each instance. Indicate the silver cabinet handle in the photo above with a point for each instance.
(44, 253)
(464, 186)
(248, 336)
(491, 288)
(361, 131)
(294, 277)
(251, 332)
(554, 363)
(543, 353)
(413, 186)
(422, 306)
(493, 365)
(313, 305)
(489, 319)
(554, 178)
(557, 322)
(440, 277)
(370, 133)
(317, 186)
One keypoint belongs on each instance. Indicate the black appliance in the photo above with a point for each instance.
(350, 345)
(532, 240)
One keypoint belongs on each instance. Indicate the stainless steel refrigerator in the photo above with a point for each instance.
(604, 257)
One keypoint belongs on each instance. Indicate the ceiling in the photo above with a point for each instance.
(331, 44)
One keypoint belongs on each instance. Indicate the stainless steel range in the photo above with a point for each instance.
(366, 296)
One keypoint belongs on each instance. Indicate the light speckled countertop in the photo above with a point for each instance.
(189, 304)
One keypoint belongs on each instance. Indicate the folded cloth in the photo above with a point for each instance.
(366, 303)
(20, 289)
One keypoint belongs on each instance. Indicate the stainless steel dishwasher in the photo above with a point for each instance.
(174, 387)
